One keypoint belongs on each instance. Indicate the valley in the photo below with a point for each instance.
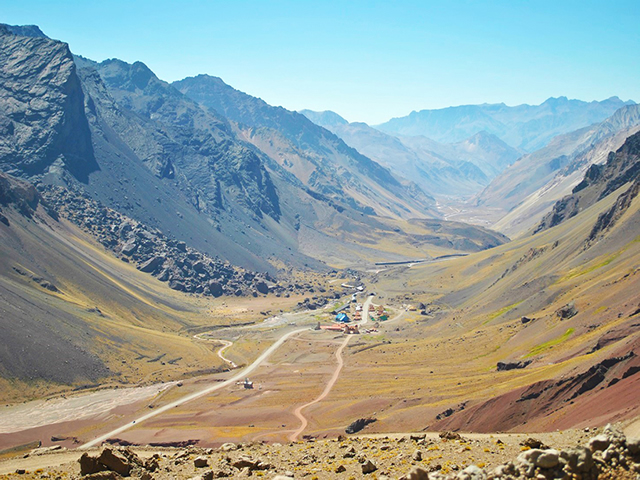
(191, 277)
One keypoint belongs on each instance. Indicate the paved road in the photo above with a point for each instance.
(334, 378)
(205, 391)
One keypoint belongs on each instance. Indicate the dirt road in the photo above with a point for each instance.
(334, 378)
(225, 344)
(205, 391)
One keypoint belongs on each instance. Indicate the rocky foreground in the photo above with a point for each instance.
(449, 456)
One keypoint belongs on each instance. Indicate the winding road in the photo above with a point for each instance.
(334, 378)
(205, 391)
(239, 376)
(225, 344)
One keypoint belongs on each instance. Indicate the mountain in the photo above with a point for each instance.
(325, 119)
(526, 127)
(315, 156)
(459, 169)
(620, 172)
(527, 190)
(538, 334)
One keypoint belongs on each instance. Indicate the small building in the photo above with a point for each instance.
(248, 384)
(351, 329)
(342, 318)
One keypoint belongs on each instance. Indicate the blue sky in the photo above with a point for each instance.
(367, 60)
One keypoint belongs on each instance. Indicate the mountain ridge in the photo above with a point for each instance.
(527, 127)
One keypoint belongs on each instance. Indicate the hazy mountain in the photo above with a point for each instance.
(463, 168)
(527, 127)
(325, 119)
(528, 189)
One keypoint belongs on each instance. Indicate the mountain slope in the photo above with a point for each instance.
(558, 310)
(527, 127)
(73, 315)
(317, 158)
(527, 189)
(622, 169)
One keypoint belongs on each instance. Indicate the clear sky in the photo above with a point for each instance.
(366, 60)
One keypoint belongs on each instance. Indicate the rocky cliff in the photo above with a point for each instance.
(43, 129)
(622, 168)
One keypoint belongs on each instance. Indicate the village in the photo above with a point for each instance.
(348, 318)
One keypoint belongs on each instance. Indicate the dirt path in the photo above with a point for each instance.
(205, 391)
(334, 378)
(225, 344)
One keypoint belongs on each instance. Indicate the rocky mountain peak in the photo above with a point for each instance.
(43, 128)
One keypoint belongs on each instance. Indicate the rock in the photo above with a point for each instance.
(340, 469)
(567, 311)
(533, 443)
(359, 424)
(450, 436)
(504, 366)
(282, 477)
(599, 443)
(262, 288)
(368, 467)
(200, 462)
(44, 450)
(228, 447)
(89, 464)
(129, 248)
(350, 453)
(102, 476)
(526, 320)
(245, 461)
(472, 472)
(578, 459)
(115, 461)
(548, 459)
(152, 265)
(417, 455)
(416, 473)
(633, 446)
(215, 289)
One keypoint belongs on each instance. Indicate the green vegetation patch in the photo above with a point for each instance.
(551, 343)
(500, 312)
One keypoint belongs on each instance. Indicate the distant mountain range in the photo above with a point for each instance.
(461, 168)
(527, 190)
(526, 127)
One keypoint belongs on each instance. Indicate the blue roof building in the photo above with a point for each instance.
(342, 317)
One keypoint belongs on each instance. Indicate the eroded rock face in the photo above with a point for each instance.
(43, 128)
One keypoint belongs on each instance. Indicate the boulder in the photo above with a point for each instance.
(599, 443)
(89, 464)
(548, 459)
(472, 472)
(115, 461)
(567, 311)
(359, 424)
(152, 265)
(416, 473)
(504, 366)
(368, 467)
(262, 288)
(200, 462)
(450, 436)
(578, 459)
(215, 289)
